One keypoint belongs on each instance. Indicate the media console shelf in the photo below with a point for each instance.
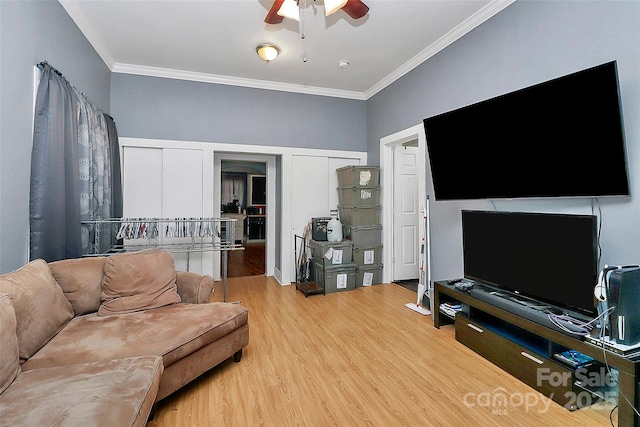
(525, 349)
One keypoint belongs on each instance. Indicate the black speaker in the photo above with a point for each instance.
(624, 298)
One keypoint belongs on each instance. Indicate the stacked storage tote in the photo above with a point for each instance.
(333, 265)
(360, 213)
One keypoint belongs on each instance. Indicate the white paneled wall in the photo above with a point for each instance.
(166, 183)
(314, 188)
(142, 173)
(164, 179)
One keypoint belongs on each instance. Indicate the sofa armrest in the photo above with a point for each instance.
(193, 287)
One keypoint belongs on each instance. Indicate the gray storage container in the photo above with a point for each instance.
(360, 215)
(367, 255)
(349, 176)
(336, 278)
(338, 252)
(368, 275)
(363, 235)
(359, 196)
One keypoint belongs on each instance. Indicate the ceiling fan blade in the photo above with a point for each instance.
(355, 9)
(272, 16)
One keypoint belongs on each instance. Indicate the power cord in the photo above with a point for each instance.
(574, 326)
(611, 415)
(606, 364)
(577, 327)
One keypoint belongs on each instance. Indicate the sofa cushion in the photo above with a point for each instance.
(40, 305)
(173, 332)
(116, 392)
(81, 281)
(138, 281)
(9, 360)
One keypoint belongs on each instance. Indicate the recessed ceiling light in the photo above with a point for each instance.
(343, 64)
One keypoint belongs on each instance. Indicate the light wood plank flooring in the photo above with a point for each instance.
(356, 358)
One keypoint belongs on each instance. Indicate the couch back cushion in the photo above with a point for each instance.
(81, 282)
(40, 305)
(138, 281)
(9, 358)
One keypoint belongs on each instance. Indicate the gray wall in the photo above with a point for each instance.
(151, 107)
(30, 32)
(527, 43)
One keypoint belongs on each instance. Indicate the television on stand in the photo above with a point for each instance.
(548, 258)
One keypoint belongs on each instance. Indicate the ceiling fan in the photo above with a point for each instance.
(354, 8)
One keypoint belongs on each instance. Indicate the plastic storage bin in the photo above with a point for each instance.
(364, 235)
(359, 196)
(349, 176)
(367, 255)
(332, 253)
(336, 278)
(368, 275)
(360, 215)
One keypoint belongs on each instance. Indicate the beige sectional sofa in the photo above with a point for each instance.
(103, 338)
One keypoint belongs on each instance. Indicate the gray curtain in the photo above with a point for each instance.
(116, 175)
(54, 206)
(72, 139)
(110, 234)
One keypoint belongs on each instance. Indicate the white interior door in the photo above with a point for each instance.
(182, 197)
(309, 195)
(405, 213)
(309, 190)
(165, 183)
(142, 182)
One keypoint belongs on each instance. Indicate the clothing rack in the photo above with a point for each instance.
(175, 235)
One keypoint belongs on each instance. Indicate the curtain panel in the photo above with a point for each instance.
(72, 172)
(233, 187)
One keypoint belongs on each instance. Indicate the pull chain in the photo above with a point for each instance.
(303, 29)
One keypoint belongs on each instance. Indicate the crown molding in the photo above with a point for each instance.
(232, 81)
(469, 24)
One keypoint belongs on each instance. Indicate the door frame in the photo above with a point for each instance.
(387, 145)
(270, 161)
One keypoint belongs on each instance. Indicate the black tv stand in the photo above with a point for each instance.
(499, 329)
(527, 308)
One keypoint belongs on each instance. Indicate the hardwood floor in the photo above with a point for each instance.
(356, 358)
(247, 262)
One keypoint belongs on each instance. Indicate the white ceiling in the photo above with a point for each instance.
(215, 40)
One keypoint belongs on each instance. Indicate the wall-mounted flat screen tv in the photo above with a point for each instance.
(560, 138)
(552, 258)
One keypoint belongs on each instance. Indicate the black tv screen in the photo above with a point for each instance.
(560, 138)
(550, 258)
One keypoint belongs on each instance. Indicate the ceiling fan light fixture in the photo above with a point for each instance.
(290, 9)
(267, 52)
(332, 6)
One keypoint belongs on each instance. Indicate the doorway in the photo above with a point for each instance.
(243, 196)
(252, 206)
(401, 252)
